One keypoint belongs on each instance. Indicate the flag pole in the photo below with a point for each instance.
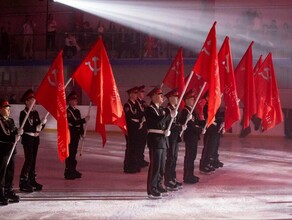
(21, 127)
(196, 101)
(180, 99)
(85, 129)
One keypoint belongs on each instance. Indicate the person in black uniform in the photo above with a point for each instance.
(156, 120)
(30, 141)
(191, 137)
(219, 119)
(142, 129)
(75, 123)
(8, 135)
(133, 119)
(210, 157)
(170, 180)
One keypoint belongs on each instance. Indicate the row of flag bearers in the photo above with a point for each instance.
(30, 140)
(163, 144)
(212, 72)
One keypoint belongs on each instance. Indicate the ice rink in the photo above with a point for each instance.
(255, 183)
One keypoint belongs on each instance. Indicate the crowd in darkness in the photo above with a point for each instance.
(120, 41)
(30, 42)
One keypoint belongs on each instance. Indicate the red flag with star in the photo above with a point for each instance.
(228, 86)
(206, 67)
(51, 95)
(174, 77)
(245, 86)
(270, 111)
(95, 77)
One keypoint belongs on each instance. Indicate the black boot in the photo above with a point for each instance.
(71, 174)
(3, 199)
(24, 185)
(76, 173)
(35, 185)
(11, 196)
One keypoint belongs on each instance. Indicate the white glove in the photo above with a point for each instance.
(173, 113)
(20, 131)
(167, 133)
(87, 118)
(44, 121)
(17, 138)
(39, 127)
(184, 127)
(189, 117)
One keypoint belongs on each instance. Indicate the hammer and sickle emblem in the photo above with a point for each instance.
(265, 74)
(52, 78)
(94, 69)
(175, 68)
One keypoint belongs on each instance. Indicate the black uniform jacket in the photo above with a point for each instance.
(156, 118)
(30, 126)
(217, 126)
(75, 121)
(133, 115)
(175, 126)
(193, 125)
(7, 135)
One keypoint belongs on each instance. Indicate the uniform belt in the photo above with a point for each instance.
(36, 134)
(156, 131)
(75, 126)
(135, 120)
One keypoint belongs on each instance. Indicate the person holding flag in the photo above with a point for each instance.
(75, 123)
(170, 180)
(30, 141)
(191, 137)
(9, 134)
(210, 157)
(156, 121)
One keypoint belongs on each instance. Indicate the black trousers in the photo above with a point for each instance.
(7, 173)
(142, 139)
(30, 154)
(156, 168)
(210, 149)
(71, 161)
(131, 161)
(191, 145)
(171, 158)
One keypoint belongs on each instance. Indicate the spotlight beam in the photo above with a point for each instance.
(184, 23)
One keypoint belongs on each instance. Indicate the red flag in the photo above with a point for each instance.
(196, 84)
(228, 86)
(270, 110)
(258, 65)
(245, 86)
(174, 77)
(95, 77)
(207, 68)
(51, 95)
(261, 90)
